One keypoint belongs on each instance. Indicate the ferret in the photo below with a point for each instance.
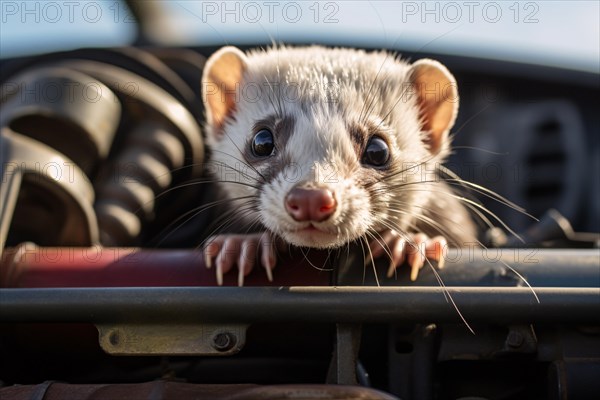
(322, 147)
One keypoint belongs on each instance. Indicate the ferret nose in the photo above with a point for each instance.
(310, 204)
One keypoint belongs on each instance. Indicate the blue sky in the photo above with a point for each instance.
(560, 33)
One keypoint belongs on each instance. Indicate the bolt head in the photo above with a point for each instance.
(514, 339)
(224, 341)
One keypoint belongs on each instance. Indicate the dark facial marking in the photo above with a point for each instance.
(359, 135)
(281, 129)
(362, 135)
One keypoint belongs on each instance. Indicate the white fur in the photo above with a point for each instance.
(322, 90)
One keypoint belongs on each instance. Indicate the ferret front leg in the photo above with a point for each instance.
(228, 251)
(415, 248)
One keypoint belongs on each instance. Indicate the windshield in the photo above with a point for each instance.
(556, 33)
(32, 27)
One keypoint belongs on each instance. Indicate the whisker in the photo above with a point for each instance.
(484, 191)
(476, 211)
(458, 197)
(227, 220)
(449, 297)
(382, 243)
(428, 221)
(361, 241)
(200, 182)
(399, 172)
(495, 153)
(437, 276)
(471, 118)
(434, 224)
(242, 162)
(367, 108)
(277, 110)
(469, 201)
(372, 259)
(313, 265)
(195, 211)
(241, 152)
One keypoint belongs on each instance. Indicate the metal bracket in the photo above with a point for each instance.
(176, 339)
(342, 368)
(520, 339)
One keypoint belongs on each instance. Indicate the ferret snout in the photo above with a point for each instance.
(310, 204)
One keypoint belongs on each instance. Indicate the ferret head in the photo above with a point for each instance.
(326, 146)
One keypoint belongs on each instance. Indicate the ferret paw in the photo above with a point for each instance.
(228, 251)
(414, 248)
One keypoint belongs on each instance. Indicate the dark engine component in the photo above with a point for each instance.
(101, 159)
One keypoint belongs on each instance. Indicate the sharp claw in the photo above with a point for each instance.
(435, 250)
(376, 249)
(219, 274)
(269, 273)
(415, 267)
(382, 245)
(207, 260)
(441, 262)
(391, 269)
(416, 263)
(241, 276)
(243, 264)
(421, 249)
(211, 250)
(397, 256)
(268, 256)
(269, 265)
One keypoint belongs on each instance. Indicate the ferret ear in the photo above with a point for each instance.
(437, 98)
(221, 82)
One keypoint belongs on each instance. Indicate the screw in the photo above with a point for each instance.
(429, 330)
(514, 339)
(224, 341)
(113, 338)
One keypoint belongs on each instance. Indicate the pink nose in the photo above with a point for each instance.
(310, 204)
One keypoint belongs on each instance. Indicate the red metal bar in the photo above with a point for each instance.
(30, 266)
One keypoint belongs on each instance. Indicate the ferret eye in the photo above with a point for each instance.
(377, 152)
(263, 144)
